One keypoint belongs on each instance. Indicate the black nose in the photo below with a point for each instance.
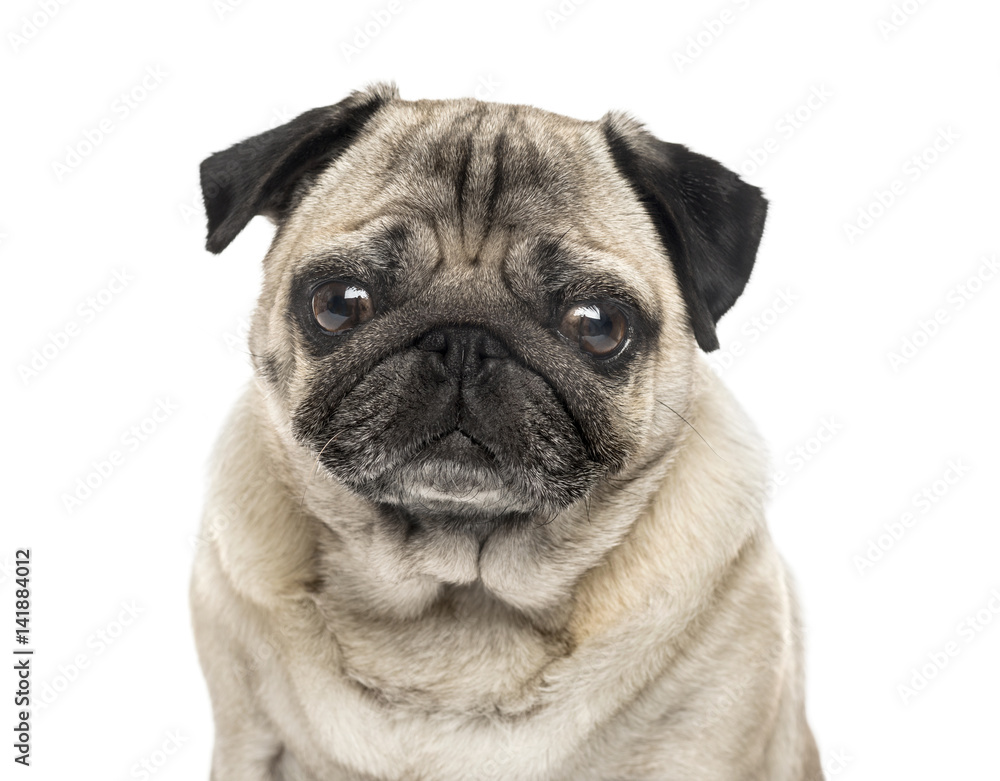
(464, 350)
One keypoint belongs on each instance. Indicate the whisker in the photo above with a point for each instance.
(624, 490)
(302, 501)
(690, 426)
(550, 520)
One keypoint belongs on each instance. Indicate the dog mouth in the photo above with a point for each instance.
(458, 446)
(454, 473)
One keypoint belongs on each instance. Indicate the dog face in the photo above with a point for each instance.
(477, 319)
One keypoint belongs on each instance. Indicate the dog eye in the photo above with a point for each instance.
(599, 329)
(339, 306)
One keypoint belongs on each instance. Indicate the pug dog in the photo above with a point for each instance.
(484, 512)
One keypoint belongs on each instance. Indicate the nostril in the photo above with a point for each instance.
(488, 346)
(434, 342)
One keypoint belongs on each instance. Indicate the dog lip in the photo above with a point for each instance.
(460, 446)
(455, 472)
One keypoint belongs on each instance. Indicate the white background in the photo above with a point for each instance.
(175, 332)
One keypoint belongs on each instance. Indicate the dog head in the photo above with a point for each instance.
(477, 317)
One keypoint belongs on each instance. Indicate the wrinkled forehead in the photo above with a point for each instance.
(481, 189)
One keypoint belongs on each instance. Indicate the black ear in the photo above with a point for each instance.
(263, 174)
(709, 220)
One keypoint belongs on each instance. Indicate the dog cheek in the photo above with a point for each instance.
(274, 370)
(370, 427)
(607, 431)
(528, 425)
